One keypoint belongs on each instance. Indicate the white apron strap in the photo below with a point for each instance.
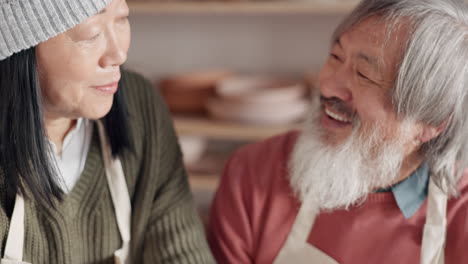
(120, 196)
(296, 249)
(15, 240)
(434, 234)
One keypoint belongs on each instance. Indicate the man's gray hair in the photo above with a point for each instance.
(431, 84)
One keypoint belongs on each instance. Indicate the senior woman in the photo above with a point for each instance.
(90, 168)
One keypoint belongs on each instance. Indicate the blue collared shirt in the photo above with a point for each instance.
(411, 193)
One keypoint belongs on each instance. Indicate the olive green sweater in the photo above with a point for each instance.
(83, 228)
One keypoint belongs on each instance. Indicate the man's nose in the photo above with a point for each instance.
(337, 85)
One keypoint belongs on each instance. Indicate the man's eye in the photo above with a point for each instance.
(363, 76)
(336, 57)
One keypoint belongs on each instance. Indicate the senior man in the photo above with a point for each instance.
(376, 175)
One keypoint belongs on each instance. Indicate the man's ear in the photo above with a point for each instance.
(430, 132)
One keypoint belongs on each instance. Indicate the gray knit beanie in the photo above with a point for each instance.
(26, 23)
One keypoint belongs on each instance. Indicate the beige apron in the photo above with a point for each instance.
(296, 249)
(120, 199)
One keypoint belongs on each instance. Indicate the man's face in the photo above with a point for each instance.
(356, 82)
(353, 142)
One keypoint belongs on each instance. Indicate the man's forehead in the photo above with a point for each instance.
(376, 42)
(381, 32)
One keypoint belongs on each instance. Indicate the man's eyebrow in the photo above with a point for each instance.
(338, 43)
(102, 11)
(370, 60)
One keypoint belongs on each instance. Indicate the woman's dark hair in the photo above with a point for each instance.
(25, 157)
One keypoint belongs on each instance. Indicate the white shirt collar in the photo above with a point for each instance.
(70, 162)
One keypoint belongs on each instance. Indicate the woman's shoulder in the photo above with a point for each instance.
(135, 79)
(150, 125)
(147, 112)
(137, 88)
(143, 99)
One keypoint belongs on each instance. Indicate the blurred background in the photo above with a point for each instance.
(232, 72)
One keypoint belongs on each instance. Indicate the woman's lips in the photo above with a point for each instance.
(110, 88)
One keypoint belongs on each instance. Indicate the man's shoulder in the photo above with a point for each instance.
(460, 201)
(263, 163)
(255, 189)
(463, 184)
(277, 149)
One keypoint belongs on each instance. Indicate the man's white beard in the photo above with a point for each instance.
(332, 177)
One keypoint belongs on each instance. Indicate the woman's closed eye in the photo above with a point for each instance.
(96, 36)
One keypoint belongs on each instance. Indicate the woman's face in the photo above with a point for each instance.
(79, 70)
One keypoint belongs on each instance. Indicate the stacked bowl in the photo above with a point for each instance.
(260, 100)
(188, 92)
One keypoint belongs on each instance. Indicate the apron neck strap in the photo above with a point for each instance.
(15, 239)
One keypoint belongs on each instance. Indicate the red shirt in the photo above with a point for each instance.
(254, 210)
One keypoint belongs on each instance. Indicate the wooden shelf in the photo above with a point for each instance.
(317, 7)
(222, 130)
